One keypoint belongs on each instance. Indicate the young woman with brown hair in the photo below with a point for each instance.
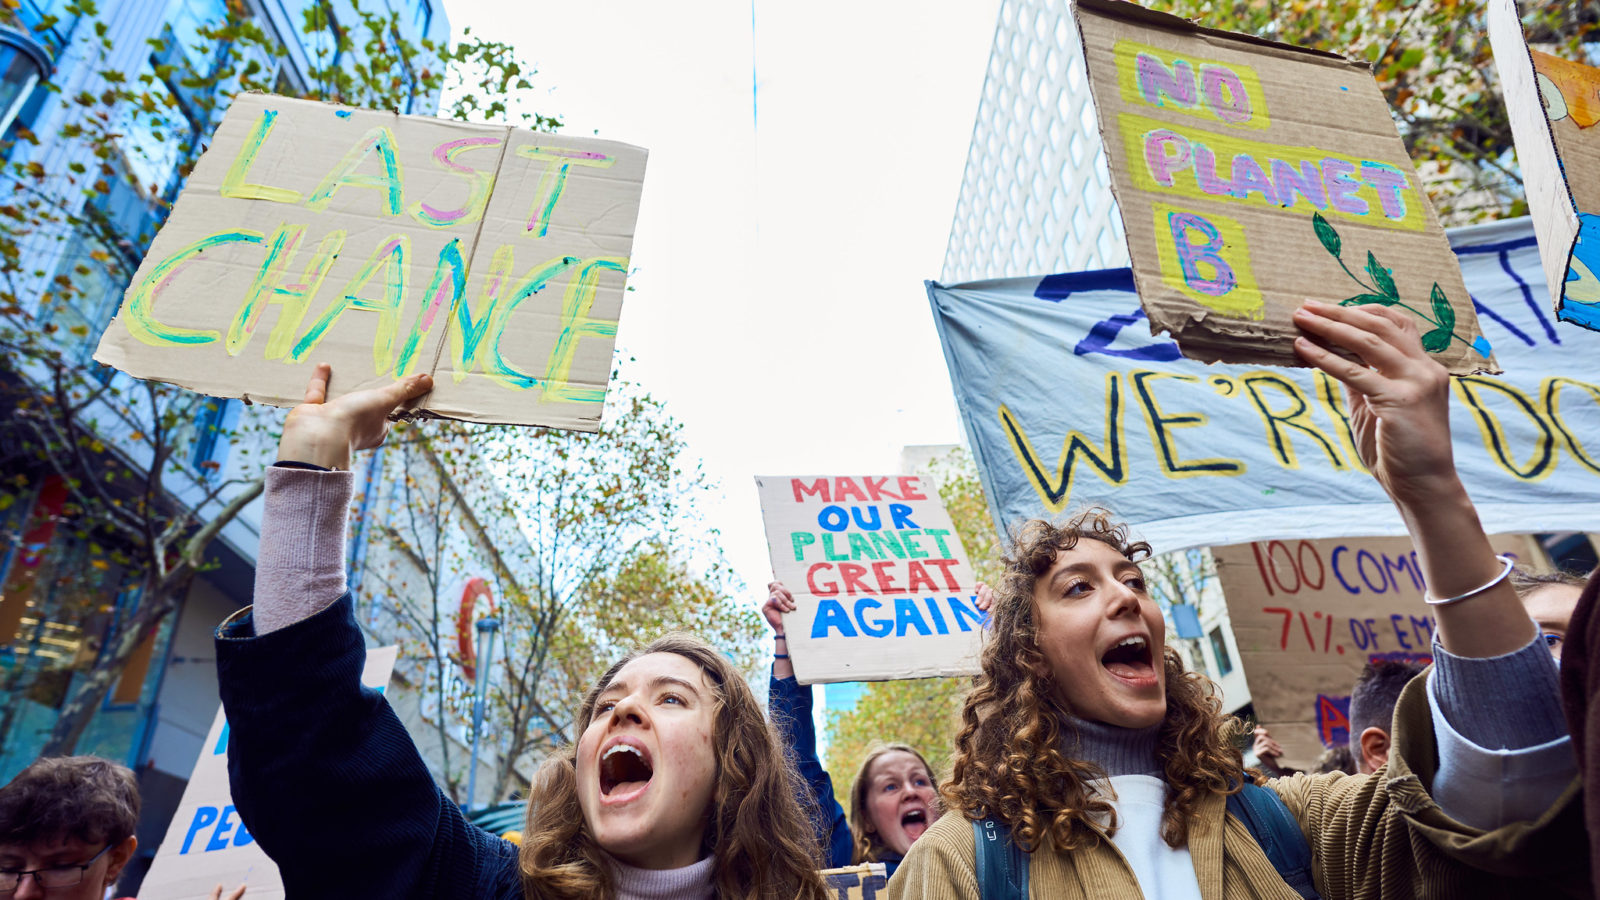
(677, 786)
(1111, 764)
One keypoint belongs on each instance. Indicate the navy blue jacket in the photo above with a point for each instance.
(789, 704)
(327, 779)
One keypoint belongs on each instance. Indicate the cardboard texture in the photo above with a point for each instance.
(1554, 105)
(864, 882)
(1307, 615)
(207, 844)
(1252, 176)
(882, 587)
(494, 258)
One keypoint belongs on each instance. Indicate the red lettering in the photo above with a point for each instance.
(1266, 580)
(820, 486)
(885, 578)
(875, 487)
(910, 489)
(846, 488)
(919, 577)
(811, 581)
(944, 566)
(852, 575)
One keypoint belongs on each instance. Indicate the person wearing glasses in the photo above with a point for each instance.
(66, 828)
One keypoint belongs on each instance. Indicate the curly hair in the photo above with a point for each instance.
(59, 798)
(756, 790)
(869, 846)
(1008, 761)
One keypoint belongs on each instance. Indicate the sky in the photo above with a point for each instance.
(788, 219)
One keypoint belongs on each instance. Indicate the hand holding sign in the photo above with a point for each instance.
(1400, 385)
(325, 433)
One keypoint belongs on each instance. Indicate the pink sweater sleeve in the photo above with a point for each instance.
(300, 568)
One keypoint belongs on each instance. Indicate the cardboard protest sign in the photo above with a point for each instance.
(863, 882)
(882, 587)
(492, 257)
(1307, 615)
(1554, 105)
(207, 844)
(1252, 176)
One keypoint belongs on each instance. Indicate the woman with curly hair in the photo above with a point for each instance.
(1111, 764)
(677, 786)
(893, 799)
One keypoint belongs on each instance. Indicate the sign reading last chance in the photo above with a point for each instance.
(493, 258)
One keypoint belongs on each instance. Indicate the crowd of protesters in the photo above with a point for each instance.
(1088, 758)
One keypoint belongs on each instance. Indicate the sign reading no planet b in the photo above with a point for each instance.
(493, 258)
(882, 587)
(1251, 176)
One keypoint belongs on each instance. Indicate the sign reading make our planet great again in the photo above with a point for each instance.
(493, 258)
(882, 587)
(1252, 176)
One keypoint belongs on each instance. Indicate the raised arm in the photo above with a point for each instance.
(322, 771)
(1493, 692)
(789, 705)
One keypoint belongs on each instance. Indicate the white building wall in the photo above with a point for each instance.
(1036, 196)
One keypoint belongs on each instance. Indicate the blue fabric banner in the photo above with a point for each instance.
(1069, 401)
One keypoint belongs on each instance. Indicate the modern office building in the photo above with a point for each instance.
(1036, 194)
(52, 53)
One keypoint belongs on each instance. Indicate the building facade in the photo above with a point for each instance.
(53, 628)
(1036, 193)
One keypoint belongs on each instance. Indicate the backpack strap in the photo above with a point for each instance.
(1001, 864)
(1262, 811)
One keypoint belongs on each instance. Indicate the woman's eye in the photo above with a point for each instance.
(891, 786)
(1076, 588)
(672, 698)
(1135, 584)
(1550, 640)
(605, 706)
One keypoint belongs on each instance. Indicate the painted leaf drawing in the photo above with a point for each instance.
(1381, 277)
(1383, 292)
(1326, 234)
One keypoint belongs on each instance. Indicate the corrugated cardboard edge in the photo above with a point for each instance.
(1535, 142)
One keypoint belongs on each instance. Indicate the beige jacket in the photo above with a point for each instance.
(1371, 836)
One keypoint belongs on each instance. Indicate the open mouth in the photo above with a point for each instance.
(1130, 659)
(624, 770)
(914, 823)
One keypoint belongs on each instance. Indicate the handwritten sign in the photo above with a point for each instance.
(1253, 175)
(1307, 615)
(207, 844)
(882, 587)
(1193, 455)
(863, 882)
(493, 258)
(1554, 105)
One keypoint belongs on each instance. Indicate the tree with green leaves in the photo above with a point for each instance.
(75, 219)
(1433, 62)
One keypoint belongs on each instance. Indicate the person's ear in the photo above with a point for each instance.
(1374, 749)
(118, 858)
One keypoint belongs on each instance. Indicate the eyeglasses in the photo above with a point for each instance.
(53, 877)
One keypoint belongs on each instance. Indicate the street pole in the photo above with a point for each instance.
(487, 628)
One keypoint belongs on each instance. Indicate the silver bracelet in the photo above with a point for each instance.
(1504, 574)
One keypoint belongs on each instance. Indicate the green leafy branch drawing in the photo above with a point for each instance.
(1383, 292)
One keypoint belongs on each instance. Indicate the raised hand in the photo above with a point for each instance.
(1265, 747)
(1399, 400)
(779, 601)
(325, 433)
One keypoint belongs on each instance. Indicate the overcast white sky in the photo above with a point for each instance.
(778, 305)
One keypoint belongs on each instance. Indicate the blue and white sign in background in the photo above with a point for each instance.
(1069, 401)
